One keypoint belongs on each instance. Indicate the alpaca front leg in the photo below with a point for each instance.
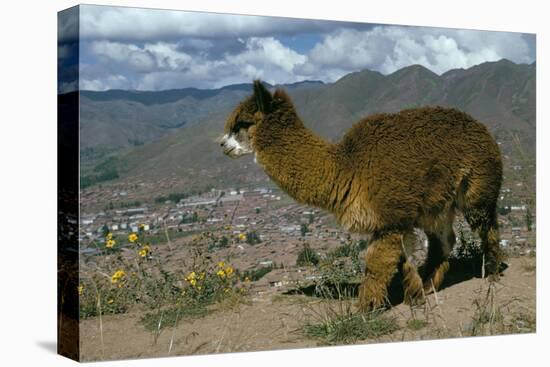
(413, 286)
(412, 282)
(382, 259)
(437, 264)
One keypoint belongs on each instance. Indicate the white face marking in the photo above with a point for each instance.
(231, 142)
(233, 147)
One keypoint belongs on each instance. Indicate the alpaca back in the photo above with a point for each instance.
(412, 164)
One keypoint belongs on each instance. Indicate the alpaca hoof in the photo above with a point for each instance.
(370, 306)
(371, 297)
(413, 289)
(415, 299)
(492, 272)
(428, 288)
(494, 268)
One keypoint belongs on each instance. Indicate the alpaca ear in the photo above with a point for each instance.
(262, 97)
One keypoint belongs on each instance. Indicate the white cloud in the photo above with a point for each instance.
(108, 82)
(135, 57)
(163, 65)
(160, 49)
(137, 24)
(267, 51)
(147, 58)
(389, 48)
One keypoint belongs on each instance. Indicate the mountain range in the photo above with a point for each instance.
(154, 134)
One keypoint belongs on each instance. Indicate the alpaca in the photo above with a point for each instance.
(389, 174)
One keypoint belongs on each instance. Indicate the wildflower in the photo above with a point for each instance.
(221, 273)
(110, 243)
(191, 278)
(229, 270)
(119, 274)
(202, 275)
(80, 289)
(145, 250)
(133, 237)
(199, 288)
(221, 264)
(109, 236)
(141, 227)
(242, 237)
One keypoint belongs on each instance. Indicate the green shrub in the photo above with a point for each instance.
(307, 256)
(256, 274)
(348, 328)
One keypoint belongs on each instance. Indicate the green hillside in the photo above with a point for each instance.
(500, 94)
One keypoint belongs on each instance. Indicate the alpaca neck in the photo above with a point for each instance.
(300, 162)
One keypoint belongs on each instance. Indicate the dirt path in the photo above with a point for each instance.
(273, 321)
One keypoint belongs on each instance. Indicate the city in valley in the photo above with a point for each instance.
(253, 228)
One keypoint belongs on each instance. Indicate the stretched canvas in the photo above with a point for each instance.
(232, 183)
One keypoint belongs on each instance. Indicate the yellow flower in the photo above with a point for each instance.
(80, 290)
(110, 243)
(229, 270)
(221, 273)
(199, 288)
(202, 275)
(221, 264)
(133, 237)
(193, 282)
(242, 237)
(145, 250)
(142, 227)
(119, 274)
(191, 275)
(109, 236)
(226, 290)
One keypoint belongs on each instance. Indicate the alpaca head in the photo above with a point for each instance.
(241, 125)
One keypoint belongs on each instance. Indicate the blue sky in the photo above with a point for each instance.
(147, 49)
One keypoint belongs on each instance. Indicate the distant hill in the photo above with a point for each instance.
(117, 119)
(500, 94)
(170, 132)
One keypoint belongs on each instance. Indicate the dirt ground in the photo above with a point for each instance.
(271, 320)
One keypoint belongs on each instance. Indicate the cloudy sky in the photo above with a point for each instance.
(145, 49)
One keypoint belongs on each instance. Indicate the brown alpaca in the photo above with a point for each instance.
(389, 174)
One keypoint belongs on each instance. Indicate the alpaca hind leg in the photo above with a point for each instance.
(382, 259)
(478, 202)
(491, 249)
(485, 223)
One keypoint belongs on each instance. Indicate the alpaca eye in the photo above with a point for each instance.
(243, 124)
